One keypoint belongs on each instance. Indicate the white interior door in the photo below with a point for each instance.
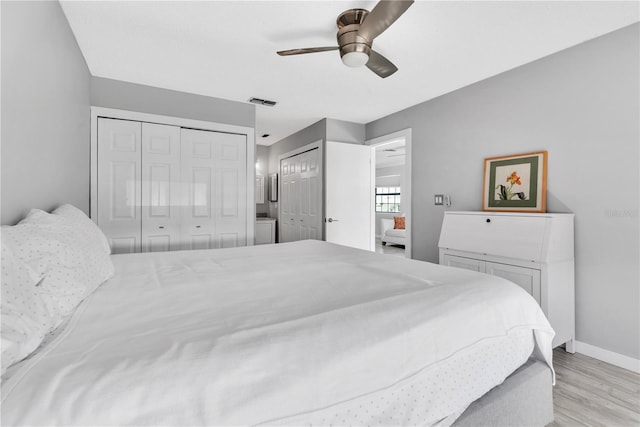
(350, 179)
(161, 190)
(119, 160)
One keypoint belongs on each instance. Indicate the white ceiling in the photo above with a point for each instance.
(226, 49)
(392, 153)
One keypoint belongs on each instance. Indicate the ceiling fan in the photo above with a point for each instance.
(357, 28)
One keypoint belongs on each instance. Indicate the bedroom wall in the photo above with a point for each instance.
(582, 105)
(45, 111)
(148, 99)
(262, 168)
(342, 131)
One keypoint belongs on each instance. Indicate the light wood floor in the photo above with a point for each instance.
(589, 392)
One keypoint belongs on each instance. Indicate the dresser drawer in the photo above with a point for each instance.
(520, 237)
(527, 278)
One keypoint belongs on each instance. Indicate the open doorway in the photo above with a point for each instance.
(393, 193)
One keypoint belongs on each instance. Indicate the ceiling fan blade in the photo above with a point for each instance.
(385, 13)
(306, 50)
(380, 65)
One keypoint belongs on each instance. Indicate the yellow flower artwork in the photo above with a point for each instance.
(512, 177)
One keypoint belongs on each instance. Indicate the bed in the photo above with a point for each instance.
(303, 333)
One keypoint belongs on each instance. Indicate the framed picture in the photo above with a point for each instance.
(273, 187)
(515, 183)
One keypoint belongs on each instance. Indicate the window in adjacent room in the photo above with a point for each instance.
(388, 199)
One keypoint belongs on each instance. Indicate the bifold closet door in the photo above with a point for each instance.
(161, 192)
(310, 215)
(213, 166)
(119, 197)
(300, 205)
(289, 199)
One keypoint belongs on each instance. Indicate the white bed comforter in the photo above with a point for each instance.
(258, 335)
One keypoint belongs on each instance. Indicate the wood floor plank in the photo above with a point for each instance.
(590, 392)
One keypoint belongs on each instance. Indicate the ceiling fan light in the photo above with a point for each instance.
(355, 59)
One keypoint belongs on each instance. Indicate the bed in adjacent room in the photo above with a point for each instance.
(300, 333)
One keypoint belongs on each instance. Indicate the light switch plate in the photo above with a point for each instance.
(438, 199)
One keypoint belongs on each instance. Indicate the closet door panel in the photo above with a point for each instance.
(161, 192)
(230, 195)
(214, 174)
(200, 193)
(198, 174)
(300, 216)
(119, 206)
(309, 218)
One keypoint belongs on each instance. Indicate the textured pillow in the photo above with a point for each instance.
(69, 259)
(90, 229)
(25, 317)
(398, 222)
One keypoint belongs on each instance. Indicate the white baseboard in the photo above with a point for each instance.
(616, 359)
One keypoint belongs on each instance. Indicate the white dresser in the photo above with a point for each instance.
(534, 251)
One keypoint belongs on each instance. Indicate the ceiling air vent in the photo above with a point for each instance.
(262, 102)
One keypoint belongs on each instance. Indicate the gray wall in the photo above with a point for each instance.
(148, 99)
(341, 131)
(582, 105)
(45, 111)
(262, 168)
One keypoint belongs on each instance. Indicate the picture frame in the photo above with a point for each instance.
(273, 187)
(515, 183)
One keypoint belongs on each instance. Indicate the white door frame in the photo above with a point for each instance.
(182, 122)
(406, 200)
(319, 144)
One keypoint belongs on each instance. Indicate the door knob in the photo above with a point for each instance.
(332, 220)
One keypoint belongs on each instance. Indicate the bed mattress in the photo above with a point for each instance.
(300, 333)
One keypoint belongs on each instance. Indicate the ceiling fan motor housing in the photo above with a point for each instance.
(355, 47)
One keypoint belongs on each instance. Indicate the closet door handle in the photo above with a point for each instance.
(198, 226)
(162, 226)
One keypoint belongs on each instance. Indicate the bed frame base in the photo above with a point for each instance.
(525, 398)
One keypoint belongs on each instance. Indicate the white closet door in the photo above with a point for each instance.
(119, 160)
(161, 190)
(289, 222)
(310, 216)
(301, 199)
(213, 166)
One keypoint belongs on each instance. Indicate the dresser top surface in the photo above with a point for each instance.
(491, 213)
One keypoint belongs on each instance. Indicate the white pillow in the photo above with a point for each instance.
(91, 230)
(25, 317)
(72, 264)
